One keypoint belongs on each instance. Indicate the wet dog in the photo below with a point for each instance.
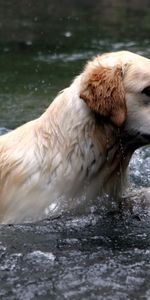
(82, 143)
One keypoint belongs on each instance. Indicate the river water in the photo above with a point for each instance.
(97, 254)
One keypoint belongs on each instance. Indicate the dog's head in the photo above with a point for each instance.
(117, 86)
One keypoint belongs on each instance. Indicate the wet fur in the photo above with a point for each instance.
(105, 84)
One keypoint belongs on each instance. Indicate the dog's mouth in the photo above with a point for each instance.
(135, 140)
(145, 137)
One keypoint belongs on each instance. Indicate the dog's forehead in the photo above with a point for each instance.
(123, 58)
(110, 60)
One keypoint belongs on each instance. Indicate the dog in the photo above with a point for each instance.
(83, 142)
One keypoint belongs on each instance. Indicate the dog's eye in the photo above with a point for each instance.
(146, 91)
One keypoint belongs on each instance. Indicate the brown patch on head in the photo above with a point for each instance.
(102, 89)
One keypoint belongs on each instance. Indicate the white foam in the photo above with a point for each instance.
(41, 254)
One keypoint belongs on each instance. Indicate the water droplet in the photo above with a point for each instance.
(67, 34)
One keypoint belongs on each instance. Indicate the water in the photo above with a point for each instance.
(88, 257)
(98, 254)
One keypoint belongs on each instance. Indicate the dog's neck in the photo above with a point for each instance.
(72, 116)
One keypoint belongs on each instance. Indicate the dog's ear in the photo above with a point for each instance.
(102, 90)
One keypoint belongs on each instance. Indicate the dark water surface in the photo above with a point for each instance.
(96, 255)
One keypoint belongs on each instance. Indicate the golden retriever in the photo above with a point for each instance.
(82, 143)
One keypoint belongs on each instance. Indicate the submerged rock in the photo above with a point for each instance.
(139, 168)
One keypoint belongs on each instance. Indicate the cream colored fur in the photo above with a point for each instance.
(72, 150)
